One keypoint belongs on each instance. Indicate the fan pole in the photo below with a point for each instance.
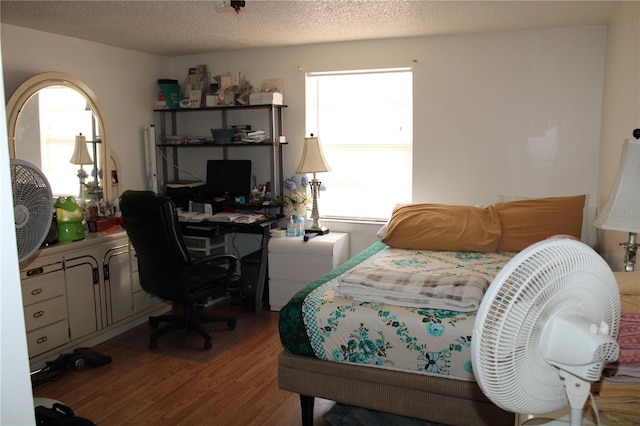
(577, 392)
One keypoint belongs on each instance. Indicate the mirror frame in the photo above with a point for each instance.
(31, 86)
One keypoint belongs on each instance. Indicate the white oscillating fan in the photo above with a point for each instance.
(32, 207)
(545, 328)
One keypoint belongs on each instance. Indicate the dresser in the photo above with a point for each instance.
(82, 293)
(294, 263)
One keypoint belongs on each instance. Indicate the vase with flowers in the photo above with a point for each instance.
(296, 197)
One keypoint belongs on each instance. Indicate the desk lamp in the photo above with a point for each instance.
(81, 157)
(622, 210)
(313, 161)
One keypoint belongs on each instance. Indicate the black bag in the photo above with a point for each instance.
(77, 360)
(59, 415)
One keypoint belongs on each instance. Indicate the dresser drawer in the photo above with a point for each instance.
(42, 287)
(47, 338)
(298, 267)
(44, 313)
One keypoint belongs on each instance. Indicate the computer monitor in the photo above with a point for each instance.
(228, 176)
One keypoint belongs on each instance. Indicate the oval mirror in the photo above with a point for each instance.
(55, 122)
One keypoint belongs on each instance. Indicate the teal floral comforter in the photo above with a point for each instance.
(316, 323)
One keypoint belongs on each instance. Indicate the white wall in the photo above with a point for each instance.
(513, 113)
(124, 81)
(479, 102)
(500, 113)
(621, 112)
(16, 403)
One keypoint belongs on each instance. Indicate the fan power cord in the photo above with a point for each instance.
(594, 408)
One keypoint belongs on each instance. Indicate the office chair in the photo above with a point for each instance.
(167, 270)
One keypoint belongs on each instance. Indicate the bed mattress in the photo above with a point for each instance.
(317, 323)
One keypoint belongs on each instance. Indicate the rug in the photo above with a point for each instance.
(189, 346)
(345, 415)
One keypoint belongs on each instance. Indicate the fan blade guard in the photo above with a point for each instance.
(555, 277)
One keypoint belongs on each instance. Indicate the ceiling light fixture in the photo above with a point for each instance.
(230, 5)
(237, 5)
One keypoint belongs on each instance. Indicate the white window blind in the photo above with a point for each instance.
(364, 120)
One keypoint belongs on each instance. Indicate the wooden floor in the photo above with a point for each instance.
(238, 386)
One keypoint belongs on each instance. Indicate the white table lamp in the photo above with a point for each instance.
(622, 210)
(313, 161)
(81, 157)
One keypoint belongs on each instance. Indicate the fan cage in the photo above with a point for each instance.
(33, 207)
(547, 278)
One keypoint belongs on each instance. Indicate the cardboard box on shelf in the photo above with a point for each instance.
(271, 98)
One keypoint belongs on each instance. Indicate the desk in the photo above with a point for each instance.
(207, 229)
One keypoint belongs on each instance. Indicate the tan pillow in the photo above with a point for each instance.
(525, 222)
(444, 227)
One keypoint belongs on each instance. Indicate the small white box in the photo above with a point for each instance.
(255, 98)
(273, 98)
(211, 100)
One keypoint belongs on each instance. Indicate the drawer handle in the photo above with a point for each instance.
(35, 271)
(36, 291)
(41, 339)
(38, 314)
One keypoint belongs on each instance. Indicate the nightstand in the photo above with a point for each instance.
(294, 263)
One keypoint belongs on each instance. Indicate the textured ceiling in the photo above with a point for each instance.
(175, 28)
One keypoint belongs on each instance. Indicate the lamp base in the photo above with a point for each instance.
(631, 248)
(321, 230)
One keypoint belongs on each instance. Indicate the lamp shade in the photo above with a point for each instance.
(312, 160)
(622, 210)
(80, 152)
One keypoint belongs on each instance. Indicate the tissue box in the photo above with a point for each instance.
(97, 225)
(273, 98)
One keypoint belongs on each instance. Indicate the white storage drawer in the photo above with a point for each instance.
(294, 263)
(45, 313)
(293, 258)
(42, 283)
(47, 338)
(203, 246)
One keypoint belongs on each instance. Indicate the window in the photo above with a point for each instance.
(364, 120)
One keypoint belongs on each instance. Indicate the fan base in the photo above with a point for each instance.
(556, 418)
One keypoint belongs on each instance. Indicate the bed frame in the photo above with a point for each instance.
(441, 400)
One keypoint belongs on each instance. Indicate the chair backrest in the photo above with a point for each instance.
(152, 225)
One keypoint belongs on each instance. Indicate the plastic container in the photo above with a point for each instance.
(291, 228)
(299, 225)
(69, 217)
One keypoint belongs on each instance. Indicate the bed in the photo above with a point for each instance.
(386, 351)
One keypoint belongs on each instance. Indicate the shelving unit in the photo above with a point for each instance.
(168, 126)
